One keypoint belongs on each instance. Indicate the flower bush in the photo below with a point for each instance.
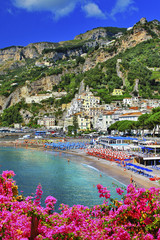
(136, 216)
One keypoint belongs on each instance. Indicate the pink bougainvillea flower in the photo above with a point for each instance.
(136, 216)
(119, 191)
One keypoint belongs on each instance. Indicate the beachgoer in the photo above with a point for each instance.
(131, 179)
(135, 185)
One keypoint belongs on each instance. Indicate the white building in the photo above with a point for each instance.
(68, 121)
(84, 122)
(47, 122)
(75, 106)
(39, 97)
(103, 121)
(127, 101)
(83, 102)
(89, 100)
(133, 116)
(108, 107)
(153, 103)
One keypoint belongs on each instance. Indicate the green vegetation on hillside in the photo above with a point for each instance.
(11, 115)
(147, 52)
(140, 62)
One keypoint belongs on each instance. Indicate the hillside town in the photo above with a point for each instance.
(90, 113)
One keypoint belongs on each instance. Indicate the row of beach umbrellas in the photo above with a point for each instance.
(67, 145)
(139, 167)
(108, 154)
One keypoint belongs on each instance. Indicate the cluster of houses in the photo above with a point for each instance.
(91, 114)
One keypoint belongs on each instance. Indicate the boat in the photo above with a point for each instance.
(25, 137)
(38, 137)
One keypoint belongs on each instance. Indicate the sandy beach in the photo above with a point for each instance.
(113, 170)
(106, 167)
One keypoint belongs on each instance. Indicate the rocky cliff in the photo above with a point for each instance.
(9, 53)
(101, 33)
(17, 53)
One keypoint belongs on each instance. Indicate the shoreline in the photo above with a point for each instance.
(104, 166)
(114, 171)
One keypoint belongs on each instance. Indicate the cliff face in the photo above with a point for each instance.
(94, 34)
(2, 102)
(100, 33)
(44, 84)
(139, 35)
(18, 53)
(8, 53)
(101, 36)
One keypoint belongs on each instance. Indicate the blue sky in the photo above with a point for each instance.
(28, 21)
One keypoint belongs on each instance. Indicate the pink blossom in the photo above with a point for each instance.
(148, 237)
(119, 191)
(136, 217)
(38, 196)
(50, 202)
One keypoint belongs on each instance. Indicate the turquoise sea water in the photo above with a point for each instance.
(71, 183)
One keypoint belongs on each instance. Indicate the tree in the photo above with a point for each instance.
(70, 130)
(122, 126)
(80, 60)
(155, 110)
(142, 120)
(136, 126)
(11, 115)
(153, 121)
(33, 123)
(75, 124)
(126, 125)
(114, 126)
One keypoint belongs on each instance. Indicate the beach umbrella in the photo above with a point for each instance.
(148, 170)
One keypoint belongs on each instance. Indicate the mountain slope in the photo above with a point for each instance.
(106, 58)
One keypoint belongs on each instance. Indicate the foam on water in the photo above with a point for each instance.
(90, 167)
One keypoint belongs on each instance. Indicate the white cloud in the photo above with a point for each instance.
(123, 6)
(59, 8)
(93, 10)
(9, 10)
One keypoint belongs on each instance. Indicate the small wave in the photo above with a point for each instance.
(90, 167)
